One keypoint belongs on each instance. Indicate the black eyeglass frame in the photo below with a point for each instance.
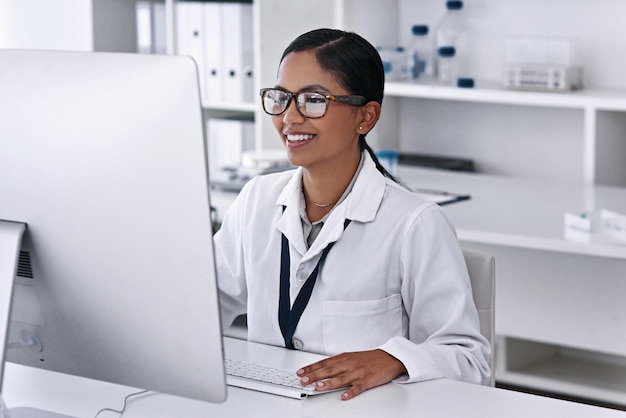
(354, 100)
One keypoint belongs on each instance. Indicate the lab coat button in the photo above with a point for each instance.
(301, 276)
(298, 344)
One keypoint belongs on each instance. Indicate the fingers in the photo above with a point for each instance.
(359, 371)
(331, 373)
(353, 391)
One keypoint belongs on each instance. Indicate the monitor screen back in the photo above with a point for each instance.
(103, 157)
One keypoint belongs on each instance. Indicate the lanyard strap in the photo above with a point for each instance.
(288, 318)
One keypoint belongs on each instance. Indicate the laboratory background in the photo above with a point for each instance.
(512, 112)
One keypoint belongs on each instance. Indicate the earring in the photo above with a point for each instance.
(360, 128)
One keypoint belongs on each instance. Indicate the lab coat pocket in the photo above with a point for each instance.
(361, 325)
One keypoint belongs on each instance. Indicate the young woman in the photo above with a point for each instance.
(336, 257)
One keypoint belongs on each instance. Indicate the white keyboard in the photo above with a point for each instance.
(266, 379)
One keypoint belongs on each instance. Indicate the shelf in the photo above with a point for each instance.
(587, 105)
(593, 249)
(552, 380)
(244, 107)
(242, 111)
(486, 220)
(583, 99)
(567, 372)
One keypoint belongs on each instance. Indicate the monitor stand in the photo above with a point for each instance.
(3, 409)
(10, 242)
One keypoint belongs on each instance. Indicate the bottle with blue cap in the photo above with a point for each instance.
(419, 56)
(451, 31)
(386, 59)
(394, 63)
(401, 71)
(447, 65)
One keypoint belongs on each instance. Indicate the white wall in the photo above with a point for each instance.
(46, 24)
(278, 22)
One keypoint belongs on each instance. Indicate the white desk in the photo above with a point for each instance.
(24, 386)
(560, 311)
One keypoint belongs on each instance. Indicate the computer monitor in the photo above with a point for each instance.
(103, 161)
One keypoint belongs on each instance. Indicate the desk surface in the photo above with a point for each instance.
(25, 386)
(510, 211)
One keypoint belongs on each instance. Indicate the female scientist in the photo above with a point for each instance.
(336, 257)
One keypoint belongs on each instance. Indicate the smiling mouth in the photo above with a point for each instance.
(298, 138)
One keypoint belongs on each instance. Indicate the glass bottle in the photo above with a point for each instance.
(447, 65)
(419, 57)
(451, 31)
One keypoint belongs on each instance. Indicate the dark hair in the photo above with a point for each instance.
(354, 62)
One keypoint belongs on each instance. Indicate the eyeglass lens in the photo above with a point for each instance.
(310, 104)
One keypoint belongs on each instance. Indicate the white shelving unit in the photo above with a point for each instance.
(573, 136)
(589, 102)
(243, 111)
(551, 368)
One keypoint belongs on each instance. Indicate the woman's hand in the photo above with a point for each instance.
(360, 370)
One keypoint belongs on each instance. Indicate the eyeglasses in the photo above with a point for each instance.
(310, 104)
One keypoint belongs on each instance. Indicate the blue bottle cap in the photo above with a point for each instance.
(466, 83)
(446, 51)
(399, 49)
(454, 5)
(419, 30)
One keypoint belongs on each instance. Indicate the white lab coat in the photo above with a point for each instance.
(394, 280)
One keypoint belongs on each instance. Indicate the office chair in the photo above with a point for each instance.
(482, 273)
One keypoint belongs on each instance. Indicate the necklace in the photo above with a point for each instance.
(320, 205)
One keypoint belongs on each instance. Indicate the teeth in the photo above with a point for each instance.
(297, 138)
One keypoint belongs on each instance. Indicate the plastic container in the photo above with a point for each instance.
(542, 63)
(419, 55)
(447, 65)
(451, 31)
(394, 62)
(399, 64)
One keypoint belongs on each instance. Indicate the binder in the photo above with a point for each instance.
(237, 52)
(143, 16)
(247, 39)
(159, 35)
(214, 68)
(225, 143)
(190, 35)
(249, 136)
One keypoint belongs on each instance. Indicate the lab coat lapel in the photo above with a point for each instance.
(289, 223)
(361, 205)
(367, 193)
